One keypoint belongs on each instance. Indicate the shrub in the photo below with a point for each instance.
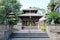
(53, 17)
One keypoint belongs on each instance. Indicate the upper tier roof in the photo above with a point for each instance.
(30, 9)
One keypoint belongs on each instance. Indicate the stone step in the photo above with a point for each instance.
(29, 39)
(29, 35)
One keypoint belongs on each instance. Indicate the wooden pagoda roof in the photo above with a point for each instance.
(30, 8)
(30, 15)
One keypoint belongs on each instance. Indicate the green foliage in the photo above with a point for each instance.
(6, 7)
(2, 14)
(53, 4)
(55, 1)
(53, 16)
(40, 9)
(43, 28)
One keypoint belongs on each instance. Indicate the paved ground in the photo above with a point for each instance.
(29, 31)
(29, 39)
(26, 31)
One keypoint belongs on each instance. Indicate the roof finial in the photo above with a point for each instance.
(30, 7)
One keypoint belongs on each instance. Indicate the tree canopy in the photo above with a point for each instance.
(39, 9)
(8, 6)
(53, 4)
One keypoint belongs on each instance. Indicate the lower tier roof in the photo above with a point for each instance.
(30, 15)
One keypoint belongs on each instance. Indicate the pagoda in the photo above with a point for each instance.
(30, 18)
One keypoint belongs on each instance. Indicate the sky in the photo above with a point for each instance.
(34, 3)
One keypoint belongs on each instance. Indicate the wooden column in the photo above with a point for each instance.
(22, 25)
(26, 23)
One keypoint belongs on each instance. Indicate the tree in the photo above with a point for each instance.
(8, 6)
(54, 4)
(39, 9)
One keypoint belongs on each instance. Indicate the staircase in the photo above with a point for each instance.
(29, 35)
